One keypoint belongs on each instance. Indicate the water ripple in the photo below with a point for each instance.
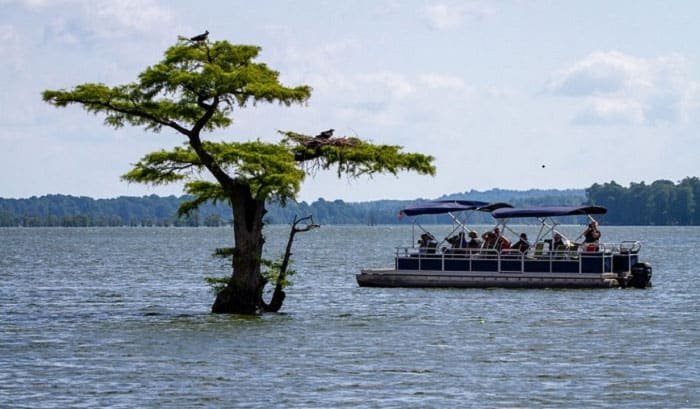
(119, 318)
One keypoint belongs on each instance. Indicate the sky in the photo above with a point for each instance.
(503, 94)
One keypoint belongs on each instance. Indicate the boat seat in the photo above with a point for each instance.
(539, 249)
(573, 250)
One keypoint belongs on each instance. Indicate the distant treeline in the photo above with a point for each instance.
(71, 211)
(660, 203)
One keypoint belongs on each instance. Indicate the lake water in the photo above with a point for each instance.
(119, 318)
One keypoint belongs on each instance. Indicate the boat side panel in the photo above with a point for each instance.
(457, 264)
(476, 280)
(624, 262)
(565, 266)
(511, 265)
(597, 263)
(484, 265)
(532, 266)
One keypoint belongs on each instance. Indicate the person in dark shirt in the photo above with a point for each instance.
(591, 236)
(474, 242)
(522, 244)
(559, 243)
(427, 244)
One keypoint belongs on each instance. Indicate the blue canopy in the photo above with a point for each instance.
(547, 211)
(447, 206)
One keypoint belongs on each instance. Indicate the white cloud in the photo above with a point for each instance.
(75, 22)
(611, 111)
(10, 47)
(138, 15)
(603, 73)
(397, 85)
(38, 4)
(323, 59)
(394, 99)
(618, 88)
(444, 16)
(436, 81)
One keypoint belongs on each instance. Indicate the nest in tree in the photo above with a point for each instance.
(309, 148)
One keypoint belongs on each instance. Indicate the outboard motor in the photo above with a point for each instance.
(641, 275)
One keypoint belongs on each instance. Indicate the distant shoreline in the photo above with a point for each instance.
(661, 203)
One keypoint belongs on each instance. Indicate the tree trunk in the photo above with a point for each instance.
(243, 294)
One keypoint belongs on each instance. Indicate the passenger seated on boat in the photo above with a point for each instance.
(458, 241)
(560, 245)
(494, 240)
(591, 236)
(474, 242)
(522, 244)
(459, 244)
(502, 242)
(489, 240)
(427, 244)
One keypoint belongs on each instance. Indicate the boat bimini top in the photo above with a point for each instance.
(547, 211)
(545, 215)
(451, 208)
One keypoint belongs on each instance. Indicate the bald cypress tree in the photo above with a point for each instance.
(194, 90)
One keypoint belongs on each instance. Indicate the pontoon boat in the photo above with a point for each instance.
(575, 265)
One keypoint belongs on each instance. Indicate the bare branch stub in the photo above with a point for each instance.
(309, 225)
(278, 294)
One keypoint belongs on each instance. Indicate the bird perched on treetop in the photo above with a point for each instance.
(201, 37)
(325, 134)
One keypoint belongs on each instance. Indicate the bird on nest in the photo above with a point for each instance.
(200, 37)
(325, 134)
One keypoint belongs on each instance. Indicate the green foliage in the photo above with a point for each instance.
(163, 166)
(217, 284)
(269, 169)
(224, 252)
(368, 159)
(202, 192)
(196, 86)
(355, 157)
(272, 271)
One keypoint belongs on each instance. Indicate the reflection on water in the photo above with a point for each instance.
(119, 318)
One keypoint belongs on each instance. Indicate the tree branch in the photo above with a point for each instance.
(279, 295)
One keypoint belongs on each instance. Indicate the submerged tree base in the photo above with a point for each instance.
(230, 301)
(234, 300)
(237, 300)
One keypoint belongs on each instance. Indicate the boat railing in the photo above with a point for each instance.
(574, 259)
